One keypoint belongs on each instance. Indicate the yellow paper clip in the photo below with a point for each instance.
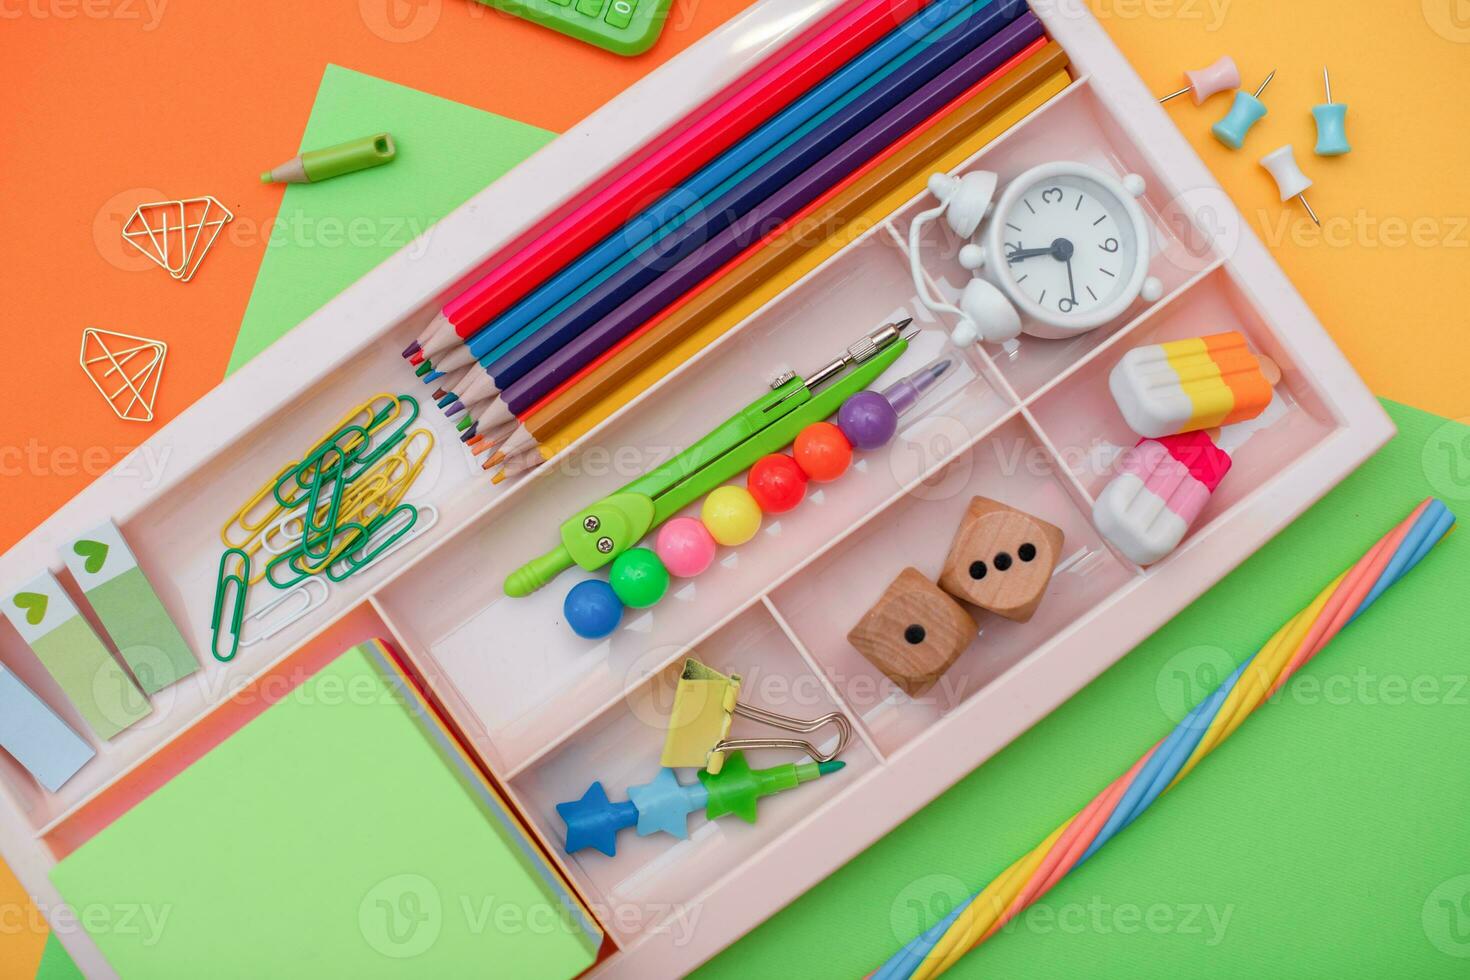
(705, 705)
(223, 581)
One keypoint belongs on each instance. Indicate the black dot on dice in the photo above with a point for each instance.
(977, 569)
(1027, 552)
(1002, 561)
(915, 634)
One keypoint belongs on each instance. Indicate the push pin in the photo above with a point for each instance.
(1244, 113)
(1331, 123)
(1208, 81)
(1289, 177)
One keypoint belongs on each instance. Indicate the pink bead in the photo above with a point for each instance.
(1219, 77)
(685, 547)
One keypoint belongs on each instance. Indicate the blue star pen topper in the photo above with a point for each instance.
(594, 821)
(664, 804)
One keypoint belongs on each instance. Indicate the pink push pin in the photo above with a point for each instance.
(1219, 77)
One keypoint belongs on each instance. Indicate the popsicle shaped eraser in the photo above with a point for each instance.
(1161, 488)
(1193, 384)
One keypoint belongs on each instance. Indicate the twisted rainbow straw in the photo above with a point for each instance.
(1169, 761)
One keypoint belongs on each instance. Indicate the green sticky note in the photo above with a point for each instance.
(131, 612)
(328, 235)
(332, 835)
(1325, 839)
(63, 641)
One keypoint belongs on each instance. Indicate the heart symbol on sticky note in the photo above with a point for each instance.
(95, 553)
(34, 606)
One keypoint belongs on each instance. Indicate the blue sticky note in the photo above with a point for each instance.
(37, 738)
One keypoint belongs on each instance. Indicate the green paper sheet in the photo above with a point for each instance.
(132, 614)
(1327, 839)
(55, 963)
(328, 235)
(103, 693)
(328, 837)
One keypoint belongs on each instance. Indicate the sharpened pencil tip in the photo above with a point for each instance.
(494, 459)
(411, 349)
(498, 478)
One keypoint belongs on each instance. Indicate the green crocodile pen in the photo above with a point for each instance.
(595, 536)
(334, 161)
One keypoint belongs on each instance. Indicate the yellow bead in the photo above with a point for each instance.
(731, 515)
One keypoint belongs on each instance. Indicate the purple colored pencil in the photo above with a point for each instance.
(777, 209)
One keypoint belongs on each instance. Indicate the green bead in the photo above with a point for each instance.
(639, 578)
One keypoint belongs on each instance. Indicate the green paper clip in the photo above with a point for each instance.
(354, 555)
(313, 461)
(317, 536)
(240, 580)
(381, 450)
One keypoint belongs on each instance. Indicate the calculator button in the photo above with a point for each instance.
(620, 14)
(591, 8)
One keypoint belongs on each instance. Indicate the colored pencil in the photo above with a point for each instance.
(606, 204)
(914, 156)
(554, 333)
(539, 368)
(692, 198)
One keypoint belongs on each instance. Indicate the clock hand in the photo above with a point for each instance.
(1071, 284)
(1028, 253)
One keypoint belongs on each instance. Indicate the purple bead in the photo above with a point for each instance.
(867, 420)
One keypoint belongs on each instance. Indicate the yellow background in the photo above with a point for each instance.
(1387, 274)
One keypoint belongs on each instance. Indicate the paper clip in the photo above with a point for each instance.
(222, 585)
(354, 436)
(309, 606)
(361, 556)
(705, 704)
(378, 451)
(317, 535)
(369, 417)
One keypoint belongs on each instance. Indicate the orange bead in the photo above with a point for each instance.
(823, 452)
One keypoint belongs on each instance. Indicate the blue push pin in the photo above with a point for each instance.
(1245, 112)
(1331, 124)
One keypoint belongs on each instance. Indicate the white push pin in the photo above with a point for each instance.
(1219, 77)
(1290, 180)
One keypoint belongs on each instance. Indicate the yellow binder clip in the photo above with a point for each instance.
(705, 705)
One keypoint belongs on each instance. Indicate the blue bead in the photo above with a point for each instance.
(1332, 129)
(1244, 113)
(592, 609)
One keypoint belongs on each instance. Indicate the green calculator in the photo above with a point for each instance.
(625, 27)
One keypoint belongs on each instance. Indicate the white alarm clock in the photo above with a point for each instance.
(1065, 250)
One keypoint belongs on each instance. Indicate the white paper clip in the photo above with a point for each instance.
(301, 612)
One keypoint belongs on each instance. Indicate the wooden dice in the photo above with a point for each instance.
(914, 632)
(1001, 559)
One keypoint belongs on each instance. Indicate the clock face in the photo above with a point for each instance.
(1069, 246)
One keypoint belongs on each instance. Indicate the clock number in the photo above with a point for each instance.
(1111, 245)
(1066, 304)
(1046, 195)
